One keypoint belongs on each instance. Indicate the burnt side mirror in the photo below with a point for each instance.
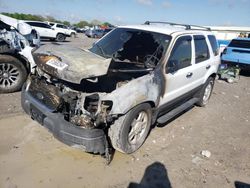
(172, 66)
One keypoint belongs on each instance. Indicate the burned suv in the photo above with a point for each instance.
(133, 77)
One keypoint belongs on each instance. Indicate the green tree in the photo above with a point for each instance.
(66, 23)
(82, 24)
(96, 22)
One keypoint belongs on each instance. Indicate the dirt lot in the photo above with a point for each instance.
(31, 157)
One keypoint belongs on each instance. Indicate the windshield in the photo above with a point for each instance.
(132, 45)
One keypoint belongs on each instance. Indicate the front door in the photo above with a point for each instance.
(179, 70)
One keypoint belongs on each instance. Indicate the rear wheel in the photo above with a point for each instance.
(60, 37)
(206, 92)
(12, 74)
(129, 132)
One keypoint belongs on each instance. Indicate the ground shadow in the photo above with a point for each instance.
(155, 176)
(239, 184)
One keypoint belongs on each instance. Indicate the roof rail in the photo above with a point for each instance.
(187, 26)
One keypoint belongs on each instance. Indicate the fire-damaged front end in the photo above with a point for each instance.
(78, 94)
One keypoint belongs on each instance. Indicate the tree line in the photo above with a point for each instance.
(80, 24)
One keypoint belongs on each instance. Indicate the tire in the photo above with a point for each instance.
(60, 37)
(12, 74)
(122, 133)
(206, 92)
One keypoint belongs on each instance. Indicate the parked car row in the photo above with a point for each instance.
(97, 33)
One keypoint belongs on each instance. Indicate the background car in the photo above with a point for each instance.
(46, 31)
(237, 53)
(94, 33)
(63, 29)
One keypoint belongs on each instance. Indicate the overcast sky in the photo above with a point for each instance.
(206, 12)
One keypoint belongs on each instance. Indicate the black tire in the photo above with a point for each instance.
(12, 74)
(60, 37)
(121, 130)
(206, 92)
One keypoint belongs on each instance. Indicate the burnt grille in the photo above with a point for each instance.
(47, 94)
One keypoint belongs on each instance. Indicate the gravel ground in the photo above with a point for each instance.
(171, 156)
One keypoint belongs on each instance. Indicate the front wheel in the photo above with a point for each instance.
(206, 92)
(129, 132)
(12, 74)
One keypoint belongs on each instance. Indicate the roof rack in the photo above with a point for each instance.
(187, 26)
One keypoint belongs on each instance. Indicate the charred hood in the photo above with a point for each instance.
(70, 63)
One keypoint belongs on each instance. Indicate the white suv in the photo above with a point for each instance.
(46, 31)
(133, 77)
(63, 28)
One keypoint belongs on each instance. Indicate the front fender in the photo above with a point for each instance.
(137, 91)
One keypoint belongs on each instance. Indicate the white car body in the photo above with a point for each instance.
(62, 28)
(44, 30)
(133, 77)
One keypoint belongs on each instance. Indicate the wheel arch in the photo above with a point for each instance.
(24, 61)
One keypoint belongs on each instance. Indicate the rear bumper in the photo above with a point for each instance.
(89, 140)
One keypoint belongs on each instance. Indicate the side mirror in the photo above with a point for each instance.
(172, 66)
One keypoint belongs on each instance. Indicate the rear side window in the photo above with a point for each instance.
(240, 43)
(214, 44)
(32, 24)
(201, 48)
(38, 24)
(182, 52)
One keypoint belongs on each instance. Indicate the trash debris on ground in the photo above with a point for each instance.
(206, 153)
(229, 73)
(196, 160)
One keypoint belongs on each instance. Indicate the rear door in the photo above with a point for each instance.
(202, 60)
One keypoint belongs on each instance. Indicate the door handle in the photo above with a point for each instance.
(190, 74)
(208, 67)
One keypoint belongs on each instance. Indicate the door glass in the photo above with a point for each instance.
(214, 44)
(181, 54)
(201, 49)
